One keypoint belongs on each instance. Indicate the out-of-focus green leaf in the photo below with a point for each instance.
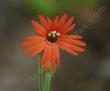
(81, 3)
(42, 6)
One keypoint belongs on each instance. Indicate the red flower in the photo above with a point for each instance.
(52, 35)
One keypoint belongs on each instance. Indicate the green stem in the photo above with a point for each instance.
(48, 76)
(47, 80)
(40, 77)
(53, 73)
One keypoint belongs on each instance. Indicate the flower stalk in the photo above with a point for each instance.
(40, 77)
(48, 77)
(47, 80)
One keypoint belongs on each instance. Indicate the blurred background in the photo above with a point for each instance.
(90, 71)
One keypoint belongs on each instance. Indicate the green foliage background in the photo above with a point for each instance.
(50, 7)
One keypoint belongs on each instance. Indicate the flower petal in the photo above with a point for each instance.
(77, 48)
(46, 57)
(32, 40)
(52, 66)
(43, 21)
(70, 28)
(36, 48)
(49, 22)
(72, 36)
(72, 41)
(39, 28)
(63, 19)
(55, 58)
(55, 22)
(36, 37)
(68, 23)
(66, 47)
(57, 54)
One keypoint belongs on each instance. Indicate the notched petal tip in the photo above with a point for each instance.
(76, 54)
(84, 44)
(49, 19)
(79, 43)
(33, 21)
(66, 14)
(71, 19)
(23, 44)
(63, 19)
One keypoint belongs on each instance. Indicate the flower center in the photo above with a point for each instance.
(53, 36)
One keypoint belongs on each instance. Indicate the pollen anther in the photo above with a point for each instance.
(53, 36)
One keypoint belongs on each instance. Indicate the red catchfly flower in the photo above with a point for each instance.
(51, 36)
